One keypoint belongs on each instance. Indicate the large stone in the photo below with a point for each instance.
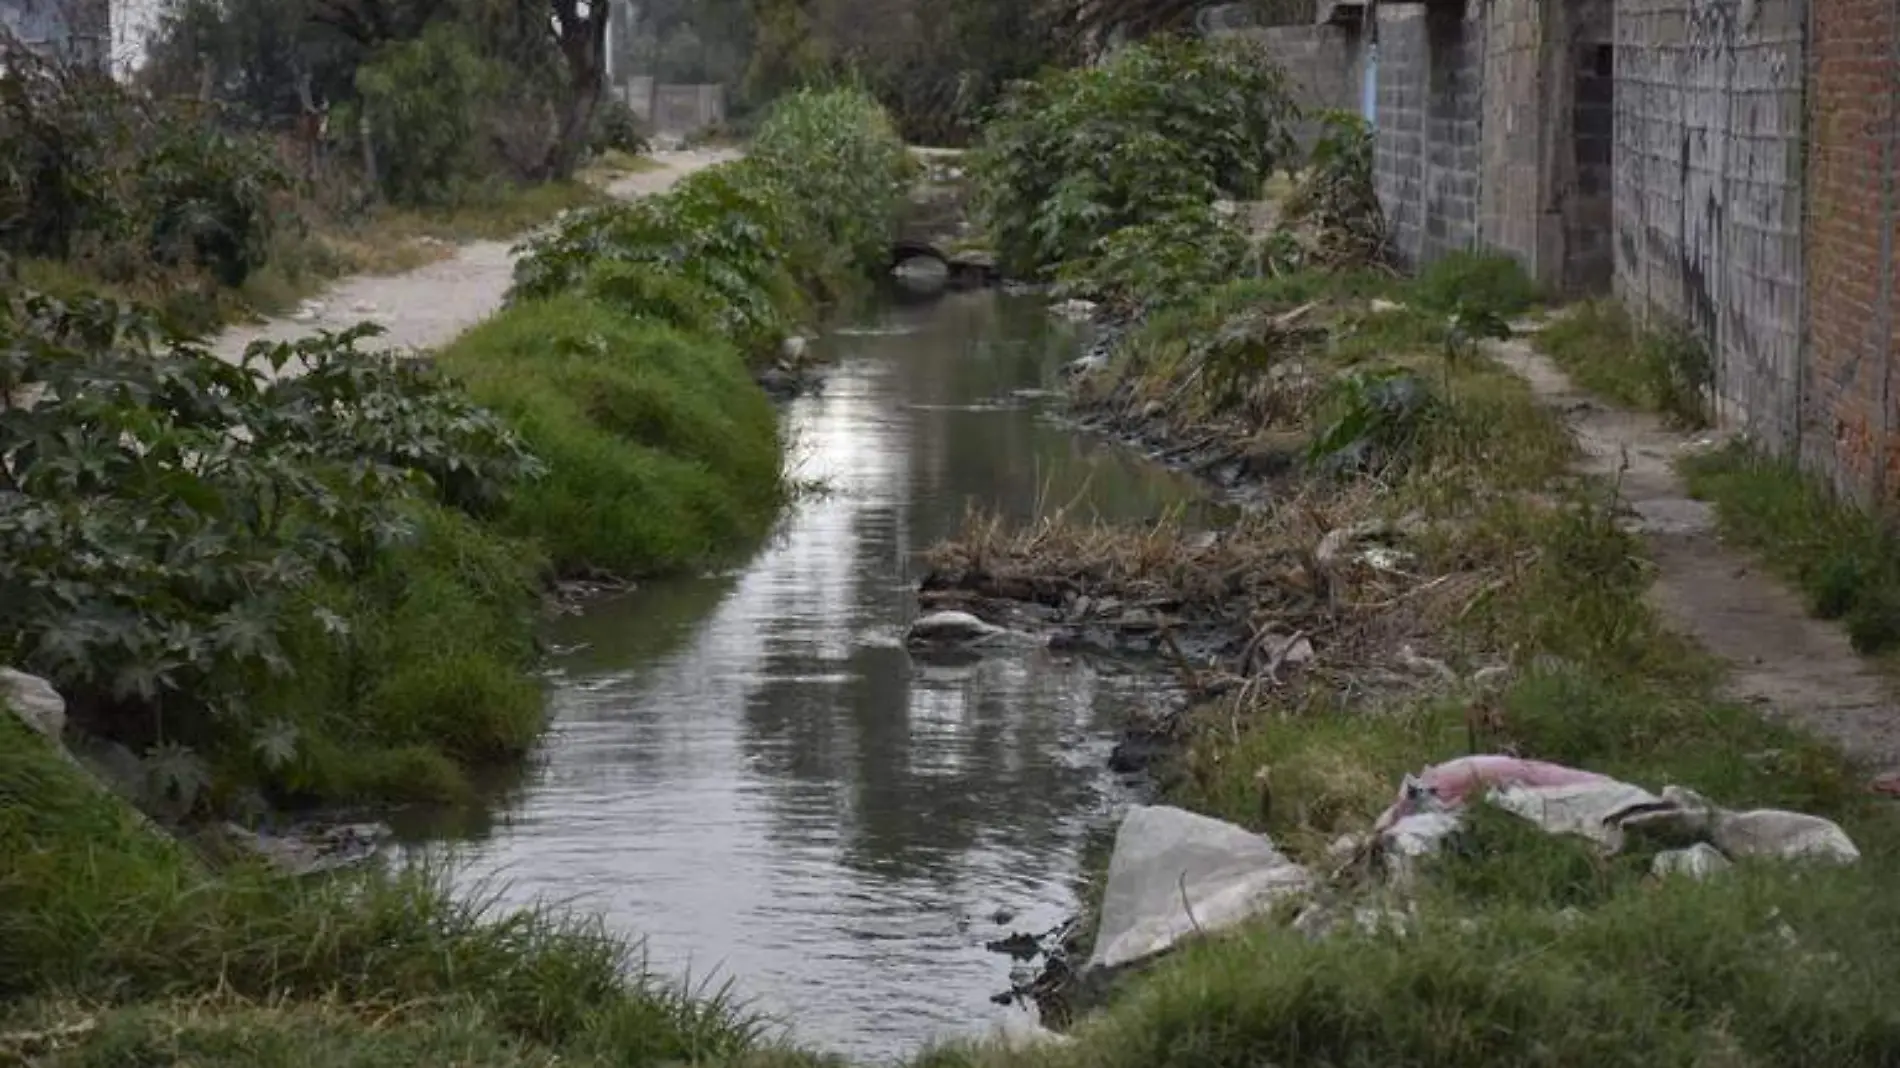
(1175, 873)
(35, 702)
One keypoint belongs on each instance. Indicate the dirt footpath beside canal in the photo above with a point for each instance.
(433, 304)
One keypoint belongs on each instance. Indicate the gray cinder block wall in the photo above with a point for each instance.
(1322, 65)
(1427, 146)
(1708, 199)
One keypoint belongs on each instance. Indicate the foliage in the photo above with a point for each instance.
(746, 244)
(424, 101)
(89, 171)
(662, 453)
(616, 129)
(1490, 284)
(1168, 261)
(838, 158)
(165, 516)
(210, 195)
(1663, 368)
(1378, 417)
(1336, 198)
(1079, 154)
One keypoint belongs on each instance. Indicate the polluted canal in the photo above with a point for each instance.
(749, 771)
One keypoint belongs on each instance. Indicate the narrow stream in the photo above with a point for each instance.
(750, 772)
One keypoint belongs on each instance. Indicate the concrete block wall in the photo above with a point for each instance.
(1427, 137)
(1511, 158)
(1850, 410)
(1708, 202)
(1322, 65)
(1454, 37)
(1398, 148)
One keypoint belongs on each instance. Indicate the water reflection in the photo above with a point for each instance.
(749, 770)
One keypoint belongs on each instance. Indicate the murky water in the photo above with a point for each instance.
(751, 773)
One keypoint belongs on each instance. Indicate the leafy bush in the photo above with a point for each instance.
(1079, 154)
(166, 519)
(425, 99)
(1169, 261)
(1377, 419)
(87, 170)
(744, 245)
(209, 194)
(662, 453)
(616, 129)
(839, 159)
(1488, 283)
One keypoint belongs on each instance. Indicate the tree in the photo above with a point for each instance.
(580, 28)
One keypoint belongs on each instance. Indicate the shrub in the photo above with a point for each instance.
(425, 99)
(1335, 196)
(662, 453)
(1169, 261)
(87, 170)
(166, 520)
(616, 129)
(747, 245)
(1488, 283)
(1079, 154)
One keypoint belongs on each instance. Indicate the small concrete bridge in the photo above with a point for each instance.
(966, 271)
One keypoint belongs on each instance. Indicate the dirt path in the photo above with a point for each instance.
(1781, 658)
(433, 304)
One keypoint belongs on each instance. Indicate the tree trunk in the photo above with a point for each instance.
(584, 48)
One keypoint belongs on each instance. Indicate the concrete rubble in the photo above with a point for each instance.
(1174, 873)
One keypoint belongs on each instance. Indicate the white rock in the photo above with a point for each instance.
(950, 628)
(1699, 861)
(35, 702)
(1073, 310)
(1175, 873)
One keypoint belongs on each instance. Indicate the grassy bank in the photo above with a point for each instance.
(1432, 579)
(336, 605)
(661, 451)
(116, 947)
(1522, 949)
(335, 602)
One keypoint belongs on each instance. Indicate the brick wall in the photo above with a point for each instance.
(1322, 64)
(1511, 156)
(1709, 191)
(1426, 147)
(1850, 390)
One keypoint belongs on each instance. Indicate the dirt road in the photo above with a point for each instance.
(433, 304)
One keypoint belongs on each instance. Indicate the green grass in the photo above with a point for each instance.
(426, 679)
(1489, 281)
(1843, 558)
(663, 454)
(1758, 968)
(1527, 949)
(1603, 350)
(185, 967)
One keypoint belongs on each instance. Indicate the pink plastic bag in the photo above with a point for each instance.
(1451, 784)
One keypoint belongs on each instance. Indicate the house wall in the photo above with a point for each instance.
(1708, 194)
(1851, 386)
(73, 31)
(1322, 64)
(1426, 155)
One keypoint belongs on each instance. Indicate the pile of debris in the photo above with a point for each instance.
(1175, 874)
